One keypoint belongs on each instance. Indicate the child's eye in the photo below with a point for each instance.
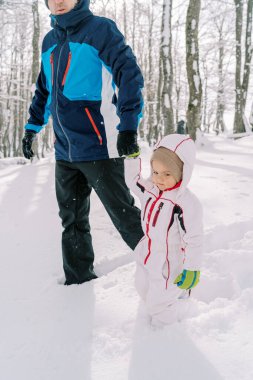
(155, 172)
(167, 174)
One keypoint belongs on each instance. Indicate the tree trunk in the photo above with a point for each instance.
(251, 117)
(205, 96)
(192, 66)
(9, 106)
(220, 125)
(36, 54)
(125, 19)
(241, 88)
(158, 128)
(21, 117)
(46, 140)
(1, 102)
(238, 120)
(15, 105)
(35, 41)
(149, 83)
(248, 55)
(134, 24)
(167, 69)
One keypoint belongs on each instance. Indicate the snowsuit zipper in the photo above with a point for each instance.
(157, 214)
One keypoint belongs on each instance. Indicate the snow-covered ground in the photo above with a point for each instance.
(99, 330)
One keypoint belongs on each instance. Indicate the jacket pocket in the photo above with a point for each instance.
(146, 206)
(157, 214)
(94, 126)
(67, 69)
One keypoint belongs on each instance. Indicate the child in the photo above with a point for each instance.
(168, 256)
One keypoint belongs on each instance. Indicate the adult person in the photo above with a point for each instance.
(91, 85)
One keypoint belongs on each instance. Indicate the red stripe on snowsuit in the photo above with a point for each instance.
(147, 227)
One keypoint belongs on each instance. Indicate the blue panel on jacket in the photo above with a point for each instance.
(47, 66)
(84, 77)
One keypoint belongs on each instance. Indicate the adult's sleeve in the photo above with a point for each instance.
(39, 110)
(127, 76)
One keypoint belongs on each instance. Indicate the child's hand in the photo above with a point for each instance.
(188, 279)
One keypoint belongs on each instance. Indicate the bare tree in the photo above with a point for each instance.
(125, 19)
(150, 90)
(192, 66)
(220, 125)
(205, 95)
(241, 87)
(177, 71)
(35, 54)
(35, 40)
(251, 117)
(165, 113)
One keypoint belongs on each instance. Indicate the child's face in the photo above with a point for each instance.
(161, 176)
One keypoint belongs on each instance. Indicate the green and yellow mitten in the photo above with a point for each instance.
(188, 279)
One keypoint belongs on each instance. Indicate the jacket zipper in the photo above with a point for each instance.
(52, 68)
(167, 249)
(147, 228)
(157, 214)
(56, 98)
(149, 199)
(94, 126)
(67, 69)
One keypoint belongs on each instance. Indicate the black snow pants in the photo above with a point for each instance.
(74, 182)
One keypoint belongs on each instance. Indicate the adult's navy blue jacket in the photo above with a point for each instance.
(89, 82)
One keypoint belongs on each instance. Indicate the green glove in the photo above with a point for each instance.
(188, 279)
(134, 155)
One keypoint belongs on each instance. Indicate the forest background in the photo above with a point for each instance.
(195, 56)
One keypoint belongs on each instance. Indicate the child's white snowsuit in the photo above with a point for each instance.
(172, 222)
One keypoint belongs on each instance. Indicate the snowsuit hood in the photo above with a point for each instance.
(184, 147)
(70, 19)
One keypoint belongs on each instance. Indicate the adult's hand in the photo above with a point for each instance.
(127, 143)
(27, 141)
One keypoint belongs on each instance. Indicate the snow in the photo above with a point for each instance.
(195, 65)
(193, 25)
(166, 100)
(100, 329)
(196, 80)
